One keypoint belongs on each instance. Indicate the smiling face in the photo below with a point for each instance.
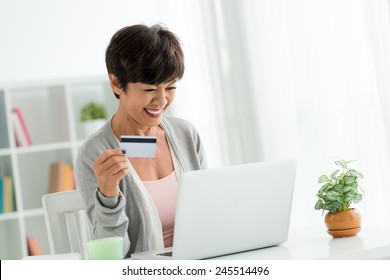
(141, 106)
(148, 55)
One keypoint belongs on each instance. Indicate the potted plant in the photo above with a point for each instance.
(337, 193)
(93, 116)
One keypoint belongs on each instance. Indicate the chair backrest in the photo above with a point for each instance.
(66, 222)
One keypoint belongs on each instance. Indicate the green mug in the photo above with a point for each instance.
(109, 248)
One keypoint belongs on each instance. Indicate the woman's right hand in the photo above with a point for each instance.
(109, 169)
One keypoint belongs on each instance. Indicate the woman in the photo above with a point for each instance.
(135, 197)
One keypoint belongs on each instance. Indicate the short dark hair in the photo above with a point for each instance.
(150, 55)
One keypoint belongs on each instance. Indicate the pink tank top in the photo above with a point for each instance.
(163, 193)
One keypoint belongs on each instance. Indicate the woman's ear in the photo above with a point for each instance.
(115, 86)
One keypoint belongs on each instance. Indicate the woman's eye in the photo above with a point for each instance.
(171, 88)
(150, 89)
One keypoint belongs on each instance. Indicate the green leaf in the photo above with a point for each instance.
(323, 179)
(349, 180)
(347, 201)
(333, 175)
(354, 173)
(318, 205)
(337, 180)
(325, 188)
(338, 188)
(326, 206)
(357, 198)
(336, 206)
(340, 163)
(332, 196)
(349, 188)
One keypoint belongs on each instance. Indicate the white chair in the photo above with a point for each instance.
(66, 223)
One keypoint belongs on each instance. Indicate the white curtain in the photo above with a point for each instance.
(304, 79)
(319, 78)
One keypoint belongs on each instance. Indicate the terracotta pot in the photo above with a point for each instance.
(343, 223)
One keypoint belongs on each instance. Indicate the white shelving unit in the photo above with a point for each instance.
(51, 111)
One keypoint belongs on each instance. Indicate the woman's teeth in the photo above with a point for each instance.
(153, 112)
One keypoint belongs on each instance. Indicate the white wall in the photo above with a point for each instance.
(46, 39)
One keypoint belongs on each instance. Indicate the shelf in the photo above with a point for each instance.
(33, 212)
(51, 111)
(34, 226)
(49, 106)
(10, 240)
(4, 143)
(8, 216)
(5, 152)
(83, 94)
(43, 148)
(5, 164)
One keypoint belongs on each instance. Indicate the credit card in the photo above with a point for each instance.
(139, 146)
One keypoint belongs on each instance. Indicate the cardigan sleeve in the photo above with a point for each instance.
(106, 215)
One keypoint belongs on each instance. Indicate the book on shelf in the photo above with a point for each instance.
(22, 136)
(8, 194)
(33, 246)
(61, 177)
(1, 195)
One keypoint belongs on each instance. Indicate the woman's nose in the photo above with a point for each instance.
(161, 98)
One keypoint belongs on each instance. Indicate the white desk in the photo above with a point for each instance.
(316, 243)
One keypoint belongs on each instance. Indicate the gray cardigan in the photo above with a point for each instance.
(123, 216)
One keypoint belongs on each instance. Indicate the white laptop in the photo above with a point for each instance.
(229, 210)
